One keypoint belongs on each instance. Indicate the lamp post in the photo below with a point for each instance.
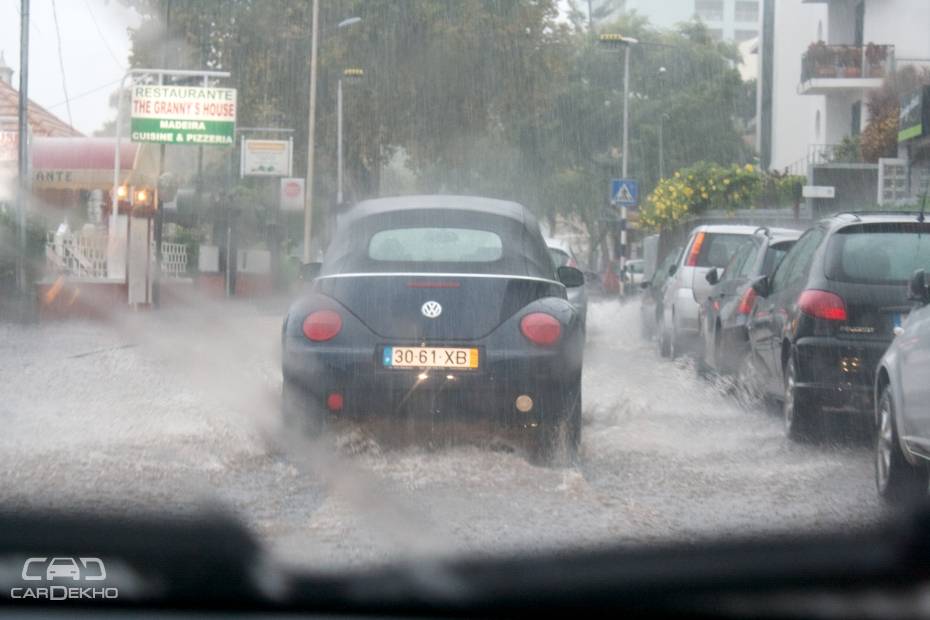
(613, 41)
(311, 121)
(349, 75)
(661, 123)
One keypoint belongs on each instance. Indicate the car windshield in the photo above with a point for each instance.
(879, 254)
(394, 281)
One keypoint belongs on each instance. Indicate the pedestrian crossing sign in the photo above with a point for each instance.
(624, 192)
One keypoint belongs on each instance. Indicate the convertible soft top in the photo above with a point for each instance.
(524, 251)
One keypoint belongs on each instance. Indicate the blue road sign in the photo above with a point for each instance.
(624, 192)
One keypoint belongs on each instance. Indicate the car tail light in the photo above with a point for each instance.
(822, 305)
(322, 325)
(747, 301)
(695, 250)
(334, 401)
(541, 328)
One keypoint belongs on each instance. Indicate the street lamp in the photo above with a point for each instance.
(614, 41)
(311, 121)
(662, 116)
(350, 75)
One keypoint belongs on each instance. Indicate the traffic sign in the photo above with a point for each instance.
(624, 192)
(292, 194)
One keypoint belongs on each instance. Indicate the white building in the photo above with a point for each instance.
(728, 20)
(819, 60)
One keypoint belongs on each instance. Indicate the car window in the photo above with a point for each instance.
(744, 256)
(559, 257)
(446, 245)
(661, 274)
(795, 265)
(879, 254)
(774, 254)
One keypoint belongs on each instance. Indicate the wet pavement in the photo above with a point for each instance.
(176, 410)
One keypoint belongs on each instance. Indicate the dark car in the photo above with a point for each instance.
(724, 342)
(650, 305)
(902, 401)
(827, 314)
(439, 307)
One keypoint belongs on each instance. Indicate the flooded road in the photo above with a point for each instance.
(171, 411)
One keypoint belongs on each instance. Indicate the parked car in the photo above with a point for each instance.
(724, 341)
(708, 246)
(823, 320)
(435, 308)
(902, 402)
(634, 270)
(563, 256)
(650, 305)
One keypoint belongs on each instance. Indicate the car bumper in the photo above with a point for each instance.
(487, 393)
(836, 374)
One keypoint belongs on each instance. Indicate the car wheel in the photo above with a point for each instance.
(558, 436)
(300, 410)
(674, 346)
(898, 482)
(802, 420)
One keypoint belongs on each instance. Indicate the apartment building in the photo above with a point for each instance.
(728, 20)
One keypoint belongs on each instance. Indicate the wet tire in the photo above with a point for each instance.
(663, 346)
(897, 481)
(558, 437)
(802, 419)
(301, 411)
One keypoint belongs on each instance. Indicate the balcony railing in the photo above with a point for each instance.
(822, 61)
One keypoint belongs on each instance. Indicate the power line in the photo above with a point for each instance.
(61, 64)
(84, 94)
(103, 39)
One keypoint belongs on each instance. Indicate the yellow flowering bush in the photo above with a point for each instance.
(705, 186)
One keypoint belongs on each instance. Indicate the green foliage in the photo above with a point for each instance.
(704, 186)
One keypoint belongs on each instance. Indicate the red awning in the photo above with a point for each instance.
(82, 163)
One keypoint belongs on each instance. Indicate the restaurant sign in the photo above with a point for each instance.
(190, 115)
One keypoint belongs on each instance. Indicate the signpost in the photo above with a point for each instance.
(292, 194)
(266, 158)
(194, 115)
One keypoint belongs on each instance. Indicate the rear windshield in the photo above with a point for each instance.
(442, 245)
(717, 249)
(878, 253)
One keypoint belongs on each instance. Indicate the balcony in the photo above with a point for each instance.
(827, 69)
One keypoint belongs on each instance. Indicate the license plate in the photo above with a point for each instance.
(430, 357)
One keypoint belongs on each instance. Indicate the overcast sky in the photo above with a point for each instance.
(94, 51)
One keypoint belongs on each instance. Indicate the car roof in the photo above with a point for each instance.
(731, 229)
(376, 206)
(844, 218)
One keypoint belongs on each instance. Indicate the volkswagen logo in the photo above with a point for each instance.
(431, 309)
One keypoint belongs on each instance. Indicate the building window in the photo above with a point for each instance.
(745, 35)
(709, 10)
(856, 118)
(747, 11)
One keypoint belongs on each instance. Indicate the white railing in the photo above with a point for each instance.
(173, 259)
(83, 256)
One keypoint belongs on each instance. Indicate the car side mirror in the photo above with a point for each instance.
(712, 276)
(672, 269)
(761, 286)
(570, 277)
(917, 287)
(310, 271)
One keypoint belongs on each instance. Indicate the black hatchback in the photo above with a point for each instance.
(823, 320)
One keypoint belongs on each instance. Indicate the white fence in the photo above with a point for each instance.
(85, 256)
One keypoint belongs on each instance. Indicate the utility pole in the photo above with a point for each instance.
(157, 198)
(339, 165)
(311, 130)
(22, 196)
